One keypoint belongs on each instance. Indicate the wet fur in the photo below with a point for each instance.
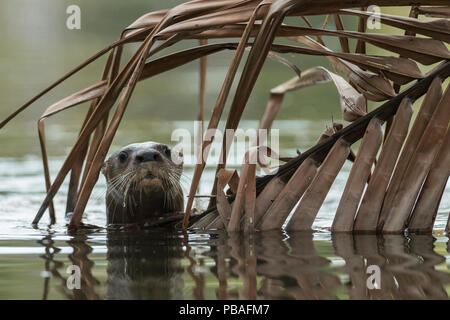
(133, 198)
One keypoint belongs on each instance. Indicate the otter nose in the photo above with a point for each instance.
(146, 156)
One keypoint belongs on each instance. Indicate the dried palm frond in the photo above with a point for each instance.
(258, 24)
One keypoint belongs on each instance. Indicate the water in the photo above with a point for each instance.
(165, 265)
(159, 263)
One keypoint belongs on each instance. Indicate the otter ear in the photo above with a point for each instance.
(104, 166)
(176, 155)
(180, 156)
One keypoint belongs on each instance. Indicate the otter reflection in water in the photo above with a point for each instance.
(163, 264)
(143, 182)
(145, 266)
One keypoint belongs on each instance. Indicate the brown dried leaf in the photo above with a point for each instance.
(435, 12)
(285, 62)
(423, 50)
(225, 177)
(215, 19)
(310, 77)
(438, 29)
(374, 87)
(353, 104)
(401, 70)
(79, 97)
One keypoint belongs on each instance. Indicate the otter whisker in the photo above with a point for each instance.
(127, 188)
(172, 188)
(183, 178)
(112, 184)
(117, 182)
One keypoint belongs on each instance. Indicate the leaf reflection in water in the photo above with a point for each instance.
(270, 265)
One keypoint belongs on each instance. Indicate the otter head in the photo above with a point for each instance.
(143, 181)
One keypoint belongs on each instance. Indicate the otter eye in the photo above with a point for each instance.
(123, 156)
(166, 151)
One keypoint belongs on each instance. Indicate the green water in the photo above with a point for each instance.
(37, 49)
(161, 265)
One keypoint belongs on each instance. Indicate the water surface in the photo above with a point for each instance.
(158, 264)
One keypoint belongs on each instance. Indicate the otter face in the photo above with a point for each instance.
(143, 180)
(149, 166)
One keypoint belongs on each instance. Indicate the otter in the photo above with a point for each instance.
(143, 182)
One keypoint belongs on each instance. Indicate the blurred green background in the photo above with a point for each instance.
(37, 49)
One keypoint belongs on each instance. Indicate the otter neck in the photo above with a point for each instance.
(140, 206)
